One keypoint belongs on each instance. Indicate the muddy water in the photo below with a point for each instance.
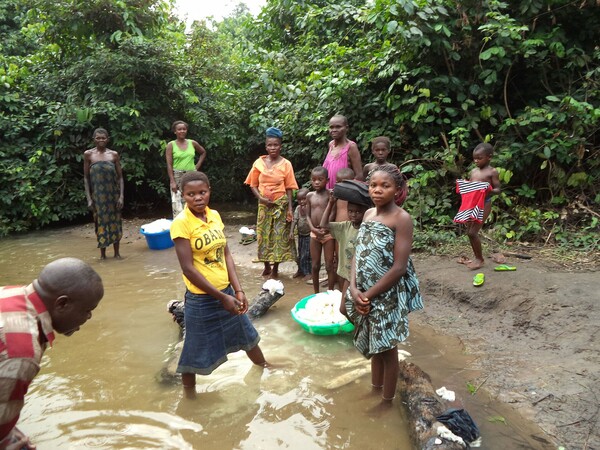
(99, 388)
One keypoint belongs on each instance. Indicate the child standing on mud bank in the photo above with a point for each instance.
(383, 284)
(476, 202)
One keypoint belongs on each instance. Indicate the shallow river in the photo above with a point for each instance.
(99, 388)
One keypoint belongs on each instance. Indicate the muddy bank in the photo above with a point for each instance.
(534, 334)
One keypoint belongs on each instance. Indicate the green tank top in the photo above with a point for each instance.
(183, 159)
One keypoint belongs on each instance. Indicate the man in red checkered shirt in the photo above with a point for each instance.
(60, 300)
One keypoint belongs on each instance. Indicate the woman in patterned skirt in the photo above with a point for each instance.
(103, 180)
(272, 182)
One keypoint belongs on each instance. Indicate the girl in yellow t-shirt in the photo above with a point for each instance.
(215, 303)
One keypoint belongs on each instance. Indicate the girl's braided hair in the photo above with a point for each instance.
(399, 179)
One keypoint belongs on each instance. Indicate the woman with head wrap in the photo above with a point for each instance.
(272, 181)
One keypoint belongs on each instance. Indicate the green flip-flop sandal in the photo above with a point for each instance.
(505, 268)
(478, 279)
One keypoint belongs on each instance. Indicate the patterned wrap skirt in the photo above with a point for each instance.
(211, 333)
(273, 233)
(105, 194)
(386, 325)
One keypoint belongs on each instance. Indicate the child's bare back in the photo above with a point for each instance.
(341, 206)
(341, 211)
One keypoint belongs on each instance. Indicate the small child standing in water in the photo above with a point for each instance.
(476, 202)
(320, 240)
(300, 223)
(383, 284)
(380, 147)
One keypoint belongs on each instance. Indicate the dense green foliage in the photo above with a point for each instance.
(435, 76)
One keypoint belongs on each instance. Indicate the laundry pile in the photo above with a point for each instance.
(323, 309)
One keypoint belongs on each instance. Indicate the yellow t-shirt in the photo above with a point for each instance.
(207, 240)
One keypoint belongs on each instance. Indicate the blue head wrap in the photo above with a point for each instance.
(274, 132)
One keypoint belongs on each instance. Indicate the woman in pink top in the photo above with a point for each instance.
(342, 151)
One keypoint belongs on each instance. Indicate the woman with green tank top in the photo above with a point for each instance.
(180, 155)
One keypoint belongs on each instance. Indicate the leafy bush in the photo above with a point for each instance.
(436, 77)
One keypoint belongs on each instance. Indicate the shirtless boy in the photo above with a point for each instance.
(483, 171)
(320, 239)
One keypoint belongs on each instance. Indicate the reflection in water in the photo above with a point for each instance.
(98, 388)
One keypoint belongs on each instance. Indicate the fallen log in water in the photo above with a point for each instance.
(262, 302)
(423, 404)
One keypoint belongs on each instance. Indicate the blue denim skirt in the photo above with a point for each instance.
(211, 333)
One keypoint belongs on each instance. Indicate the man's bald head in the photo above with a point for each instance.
(70, 289)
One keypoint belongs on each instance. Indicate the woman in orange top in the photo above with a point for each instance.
(272, 181)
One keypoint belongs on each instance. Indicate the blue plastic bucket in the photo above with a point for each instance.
(158, 241)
